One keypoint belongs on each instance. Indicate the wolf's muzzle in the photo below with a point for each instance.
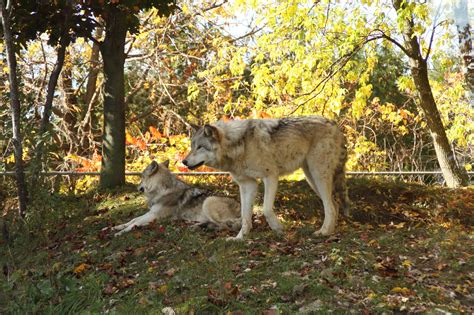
(193, 167)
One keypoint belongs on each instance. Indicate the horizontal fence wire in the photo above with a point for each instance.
(355, 173)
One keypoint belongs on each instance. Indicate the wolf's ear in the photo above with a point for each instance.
(152, 168)
(166, 163)
(192, 127)
(211, 131)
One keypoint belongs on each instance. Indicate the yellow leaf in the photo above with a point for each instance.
(185, 9)
(403, 291)
(407, 263)
(81, 268)
(162, 289)
(372, 296)
(399, 225)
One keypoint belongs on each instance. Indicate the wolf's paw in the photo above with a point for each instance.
(121, 229)
(277, 227)
(118, 227)
(119, 233)
(279, 230)
(234, 239)
(324, 231)
(239, 237)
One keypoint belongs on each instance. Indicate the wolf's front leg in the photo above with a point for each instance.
(248, 191)
(271, 185)
(145, 219)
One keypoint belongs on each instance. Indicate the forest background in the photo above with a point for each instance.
(237, 60)
(108, 85)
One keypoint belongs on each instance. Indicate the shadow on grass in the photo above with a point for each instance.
(402, 250)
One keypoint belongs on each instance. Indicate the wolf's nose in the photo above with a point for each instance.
(141, 189)
(185, 162)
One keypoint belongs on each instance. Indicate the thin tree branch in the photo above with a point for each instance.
(432, 39)
(383, 35)
(252, 32)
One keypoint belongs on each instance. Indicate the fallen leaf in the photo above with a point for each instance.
(81, 268)
(407, 263)
(170, 272)
(311, 307)
(168, 311)
(110, 289)
(403, 291)
(162, 289)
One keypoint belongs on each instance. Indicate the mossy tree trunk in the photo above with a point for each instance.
(454, 175)
(14, 107)
(113, 141)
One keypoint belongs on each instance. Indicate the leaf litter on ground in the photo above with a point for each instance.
(407, 248)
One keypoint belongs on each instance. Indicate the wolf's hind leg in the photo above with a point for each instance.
(271, 185)
(222, 212)
(324, 184)
(309, 178)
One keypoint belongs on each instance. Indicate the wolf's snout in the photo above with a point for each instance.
(185, 162)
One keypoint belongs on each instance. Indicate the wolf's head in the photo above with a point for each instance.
(156, 177)
(205, 146)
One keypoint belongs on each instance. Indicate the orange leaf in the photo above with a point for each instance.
(81, 268)
(155, 133)
(129, 139)
(141, 144)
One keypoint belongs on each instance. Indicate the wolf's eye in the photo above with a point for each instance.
(199, 147)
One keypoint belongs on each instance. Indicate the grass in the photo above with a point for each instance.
(407, 248)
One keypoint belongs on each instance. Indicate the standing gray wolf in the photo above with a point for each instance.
(269, 148)
(169, 197)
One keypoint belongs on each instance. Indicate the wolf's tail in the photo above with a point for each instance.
(340, 188)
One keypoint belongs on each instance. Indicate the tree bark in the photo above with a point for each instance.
(93, 69)
(90, 97)
(113, 139)
(70, 106)
(39, 160)
(48, 104)
(15, 108)
(465, 34)
(452, 173)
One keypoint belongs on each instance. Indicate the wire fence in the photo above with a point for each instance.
(354, 173)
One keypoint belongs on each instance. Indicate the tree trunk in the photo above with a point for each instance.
(113, 139)
(70, 106)
(48, 104)
(39, 160)
(14, 107)
(93, 69)
(452, 173)
(86, 136)
(465, 34)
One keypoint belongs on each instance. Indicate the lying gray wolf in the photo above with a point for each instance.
(269, 148)
(169, 197)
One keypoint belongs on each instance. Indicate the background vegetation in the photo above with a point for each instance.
(211, 61)
(109, 85)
